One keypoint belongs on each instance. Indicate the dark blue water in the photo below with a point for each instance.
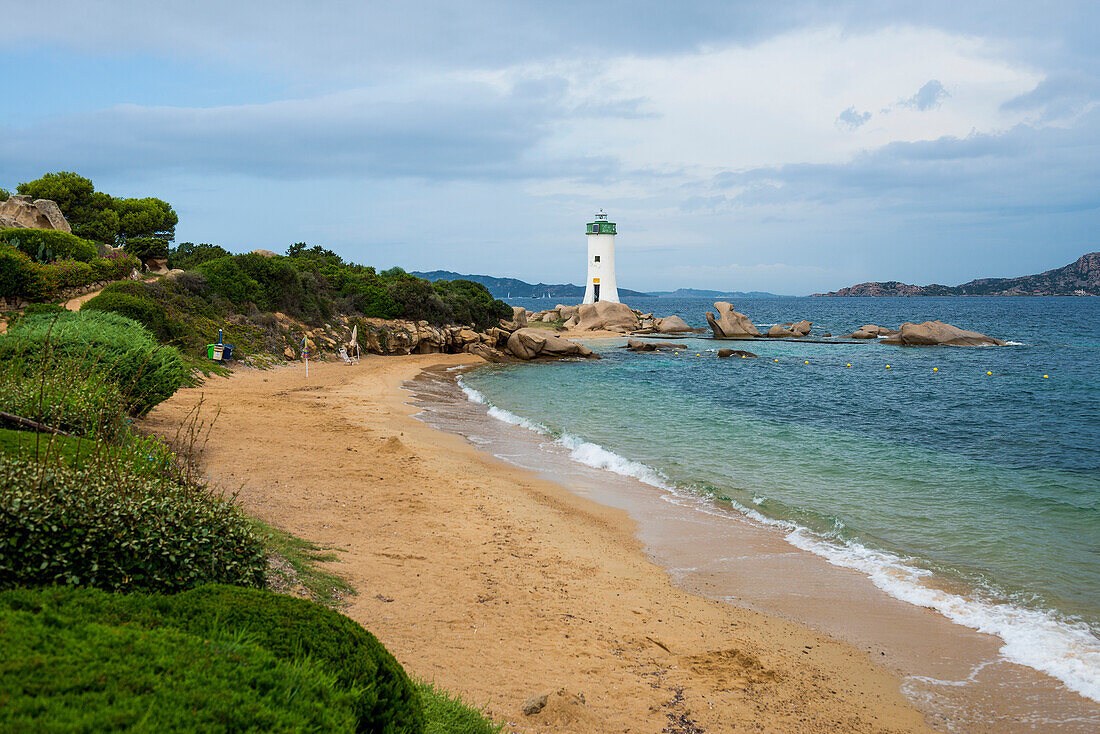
(982, 488)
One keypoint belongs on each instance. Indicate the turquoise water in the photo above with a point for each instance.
(983, 487)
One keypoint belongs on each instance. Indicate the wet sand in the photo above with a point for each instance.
(499, 584)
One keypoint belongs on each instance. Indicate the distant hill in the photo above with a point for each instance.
(697, 293)
(1081, 278)
(513, 288)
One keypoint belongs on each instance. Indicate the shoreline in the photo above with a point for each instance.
(959, 676)
(501, 584)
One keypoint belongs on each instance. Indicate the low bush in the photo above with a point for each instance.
(386, 702)
(119, 532)
(20, 276)
(69, 274)
(69, 672)
(227, 279)
(114, 265)
(107, 343)
(48, 245)
(290, 627)
(143, 310)
(64, 396)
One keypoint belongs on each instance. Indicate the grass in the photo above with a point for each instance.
(558, 325)
(303, 559)
(449, 714)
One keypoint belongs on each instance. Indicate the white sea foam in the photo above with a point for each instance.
(1039, 639)
(1063, 649)
(594, 455)
(1013, 344)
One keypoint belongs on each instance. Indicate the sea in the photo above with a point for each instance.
(961, 482)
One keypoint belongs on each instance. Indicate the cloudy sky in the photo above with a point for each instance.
(781, 146)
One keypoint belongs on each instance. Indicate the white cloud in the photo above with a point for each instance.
(773, 103)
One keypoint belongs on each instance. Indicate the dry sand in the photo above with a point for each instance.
(499, 585)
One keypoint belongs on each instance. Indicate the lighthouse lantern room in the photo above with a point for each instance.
(600, 285)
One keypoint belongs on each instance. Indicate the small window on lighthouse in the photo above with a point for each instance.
(597, 258)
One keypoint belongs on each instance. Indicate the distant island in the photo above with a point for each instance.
(513, 288)
(1080, 278)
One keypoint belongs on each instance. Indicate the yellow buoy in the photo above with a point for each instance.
(848, 365)
(742, 356)
(935, 369)
(989, 373)
(887, 366)
(807, 361)
(1045, 377)
(698, 355)
(775, 360)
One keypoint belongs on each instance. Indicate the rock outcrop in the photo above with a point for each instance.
(531, 343)
(20, 211)
(730, 324)
(635, 345)
(672, 325)
(779, 331)
(519, 319)
(727, 353)
(606, 316)
(264, 253)
(931, 333)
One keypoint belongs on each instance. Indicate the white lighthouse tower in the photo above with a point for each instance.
(600, 285)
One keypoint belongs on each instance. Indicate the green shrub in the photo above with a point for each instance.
(21, 277)
(188, 255)
(47, 245)
(119, 532)
(226, 278)
(144, 248)
(33, 309)
(387, 702)
(68, 274)
(65, 396)
(145, 311)
(290, 627)
(114, 265)
(471, 303)
(69, 672)
(119, 347)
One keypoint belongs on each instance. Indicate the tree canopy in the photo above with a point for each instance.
(98, 216)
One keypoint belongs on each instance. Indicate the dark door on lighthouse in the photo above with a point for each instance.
(596, 291)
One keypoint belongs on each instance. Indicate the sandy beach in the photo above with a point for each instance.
(498, 584)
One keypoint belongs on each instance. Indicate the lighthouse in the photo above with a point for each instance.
(600, 285)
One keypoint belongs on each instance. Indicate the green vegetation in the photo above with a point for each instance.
(4, 194)
(116, 531)
(241, 293)
(303, 558)
(295, 634)
(107, 343)
(447, 714)
(35, 264)
(65, 396)
(188, 255)
(101, 217)
(67, 671)
(48, 245)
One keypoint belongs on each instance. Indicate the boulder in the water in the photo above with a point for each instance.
(730, 324)
(932, 333)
